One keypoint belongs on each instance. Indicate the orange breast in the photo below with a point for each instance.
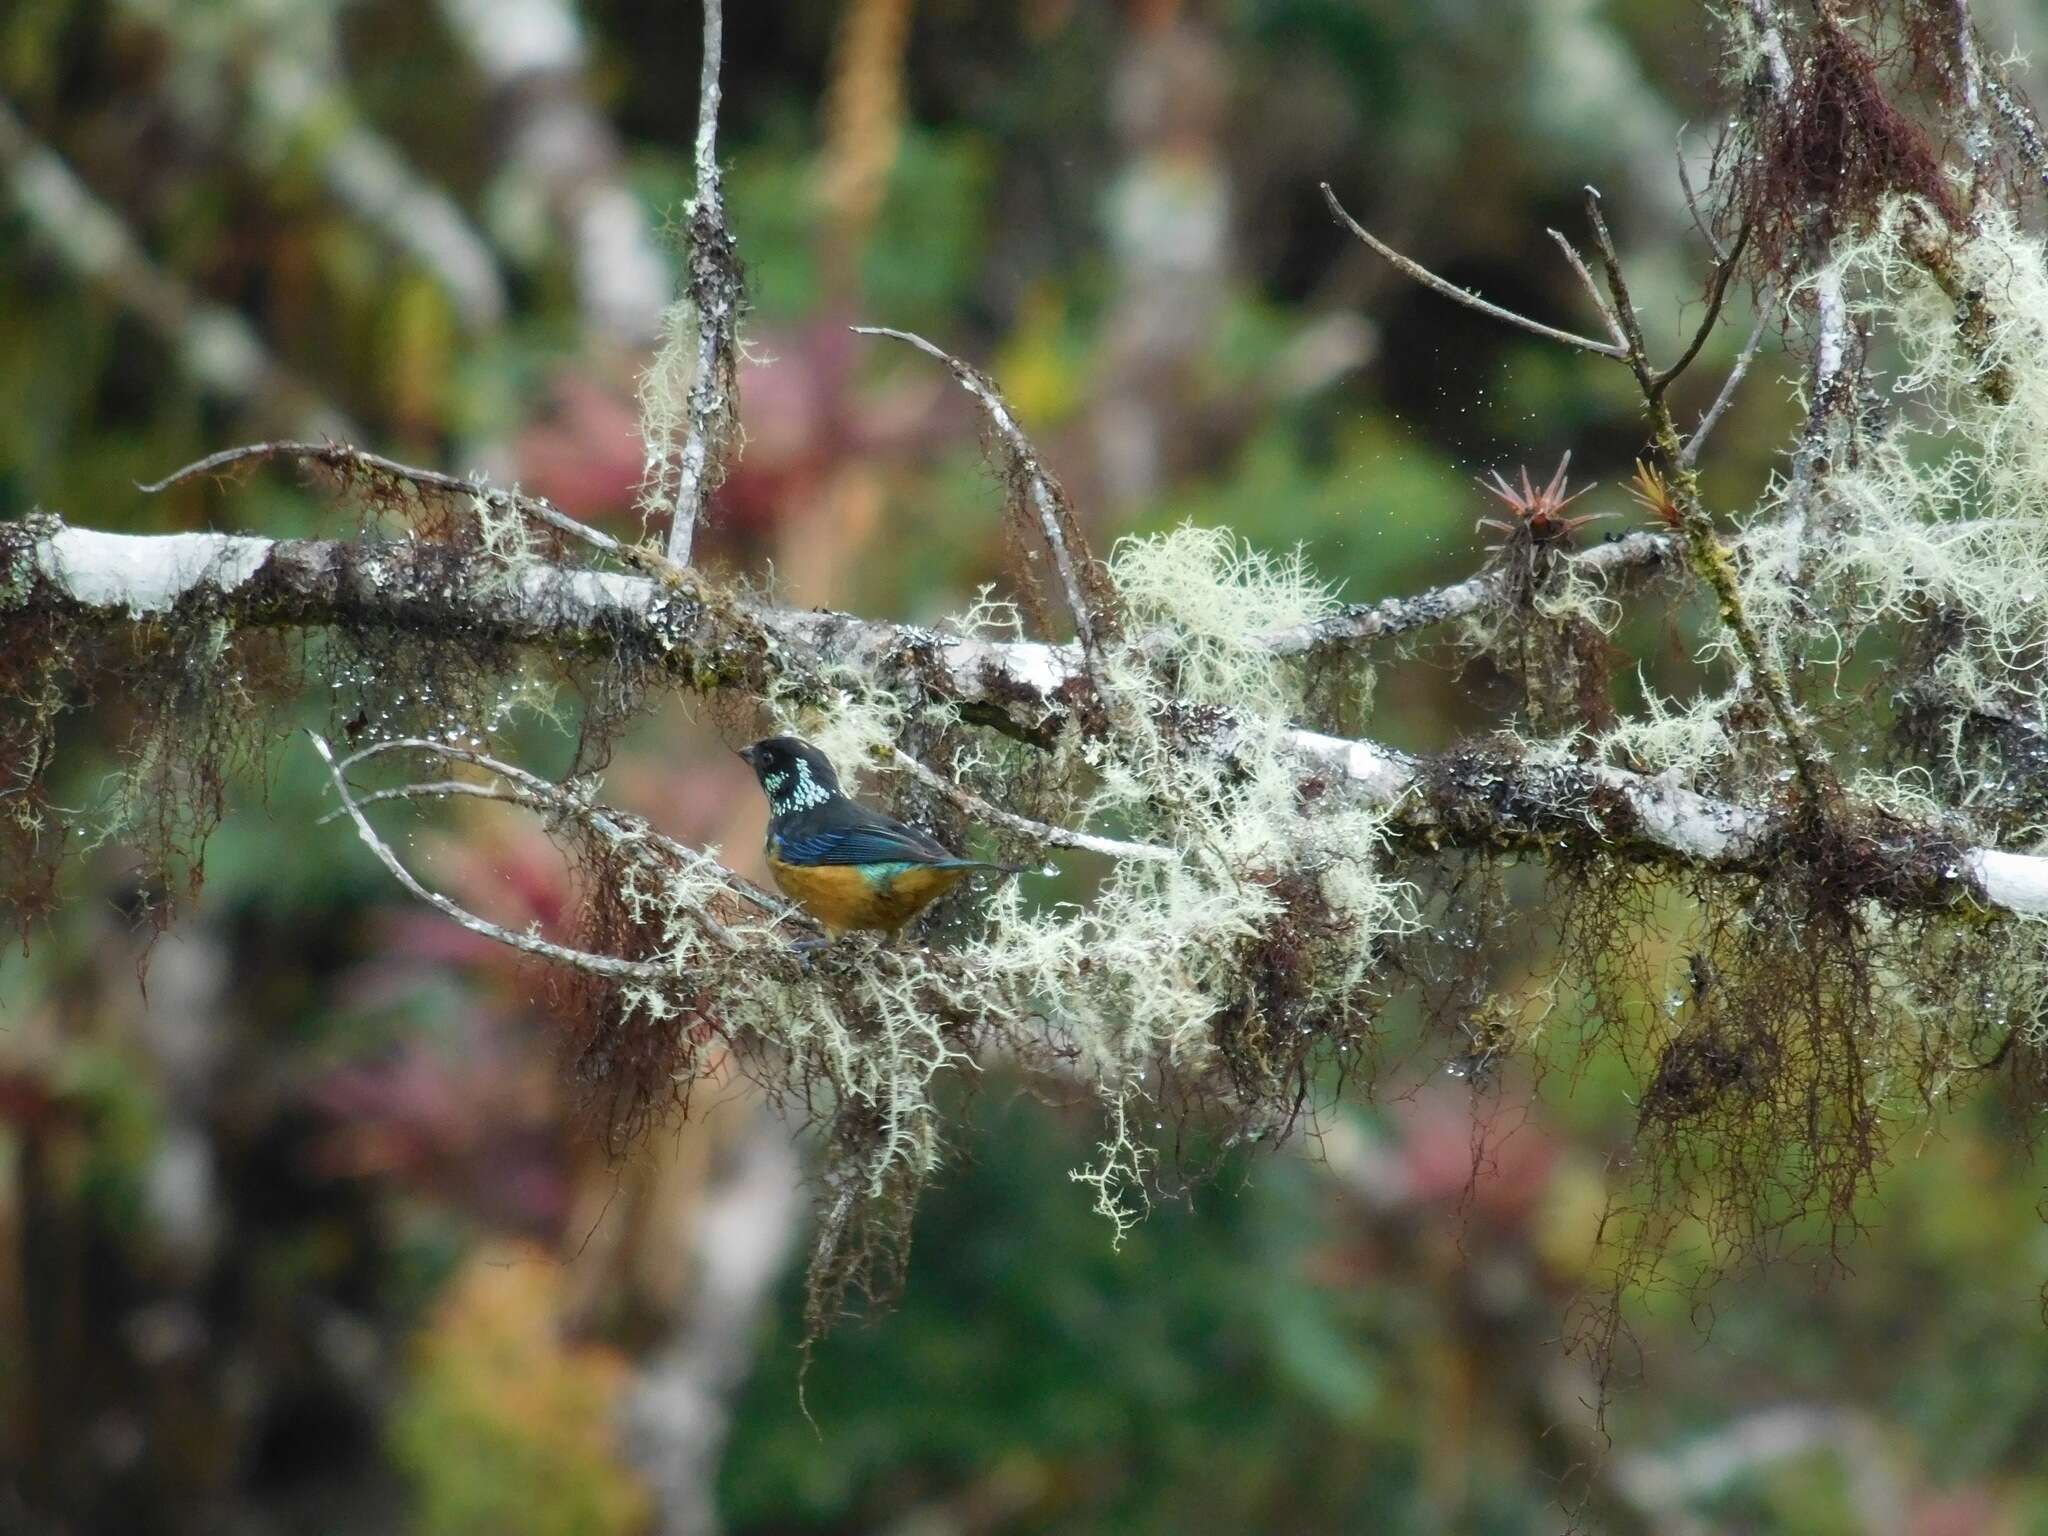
(848, 896)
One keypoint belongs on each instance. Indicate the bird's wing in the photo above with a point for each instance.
(860, 836)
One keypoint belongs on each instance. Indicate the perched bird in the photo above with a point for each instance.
(845, 864)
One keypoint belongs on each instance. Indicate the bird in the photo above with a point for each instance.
(847, 865)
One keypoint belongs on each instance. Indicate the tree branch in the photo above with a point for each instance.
(1055, 521)
(1452, 291)
(1690, 454)
(1460, 800)
(342, 457)
(609, 966)
(713, 287)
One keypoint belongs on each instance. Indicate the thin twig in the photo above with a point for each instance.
(713, 287)
(1692, 203)
(1722, 276)
(1038, 831)
(1709, 559)
(536, 792)
(1047, 500)
(610, 966)
(1451, 290)
(342, 455)
(1689, 455)
(1571, 254)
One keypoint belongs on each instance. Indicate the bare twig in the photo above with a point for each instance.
(1055, 519)
(536, 793)
(1571, 254)
(609, 966)
(713, 286)
(1451, 290)
(1038, 831)
(1724, 272)
(1692, 203)
(342, 456)
(1689, 455)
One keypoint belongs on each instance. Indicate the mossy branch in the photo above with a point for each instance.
(1708, 556)
(124, 580)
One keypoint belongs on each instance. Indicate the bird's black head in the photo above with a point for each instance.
(794, 775)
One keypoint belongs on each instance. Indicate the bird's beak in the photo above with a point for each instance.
(745, 755)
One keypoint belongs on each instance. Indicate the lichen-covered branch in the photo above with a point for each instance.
(704, 330)
(1490, 801)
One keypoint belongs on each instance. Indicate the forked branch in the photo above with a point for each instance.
(611, 967)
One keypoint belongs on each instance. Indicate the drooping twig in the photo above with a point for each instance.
(1452, 291)
(712, 283)
(1038, 831)
(610, 966)
(343, 456)
(1086, 600)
